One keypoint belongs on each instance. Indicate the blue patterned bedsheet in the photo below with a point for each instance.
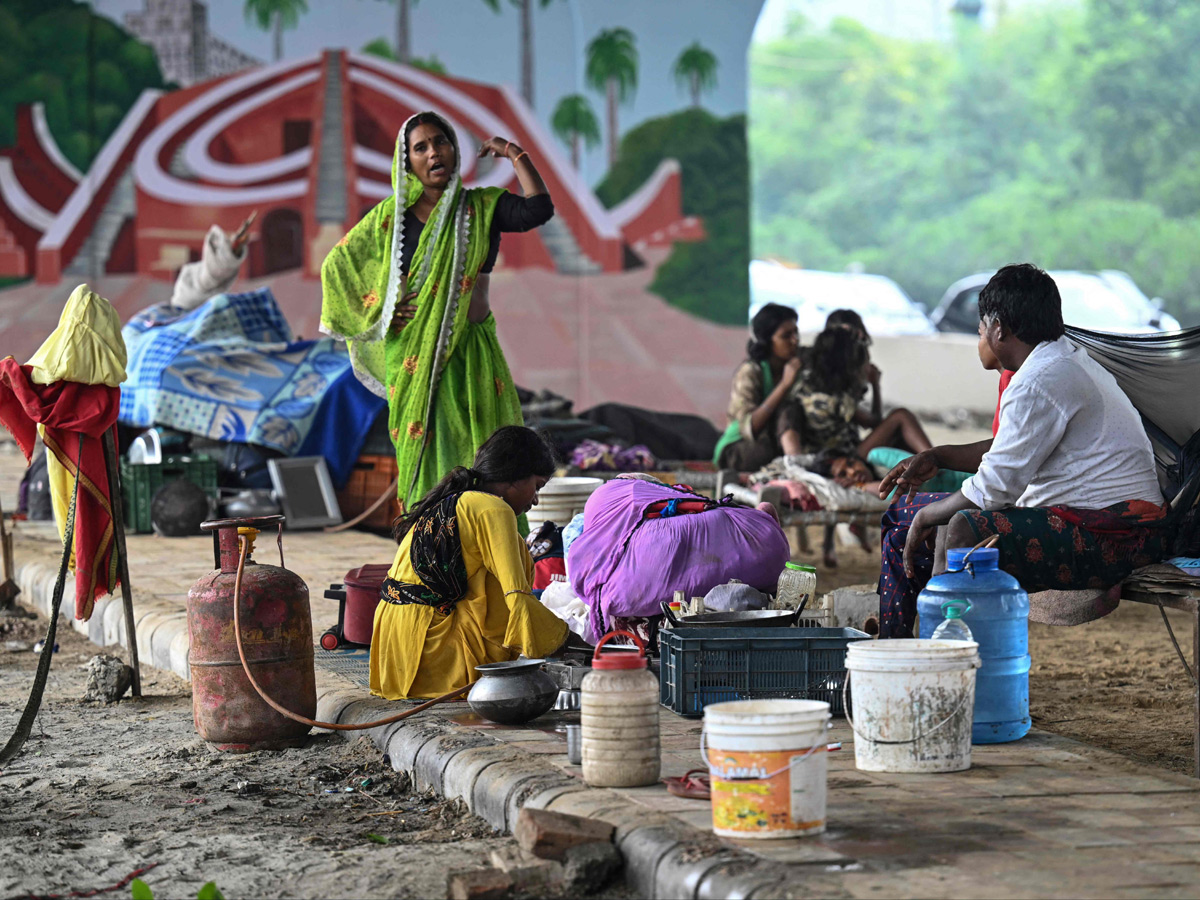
(231, 370)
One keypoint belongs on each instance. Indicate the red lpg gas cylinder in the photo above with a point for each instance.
(276, 636)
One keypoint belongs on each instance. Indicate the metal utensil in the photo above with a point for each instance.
(754, 618)
(514, 692)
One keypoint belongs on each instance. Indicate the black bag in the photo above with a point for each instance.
(34, 494)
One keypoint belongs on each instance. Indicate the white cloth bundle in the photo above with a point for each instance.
(213, 274)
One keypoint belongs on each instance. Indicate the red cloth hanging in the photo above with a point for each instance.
(67, 409)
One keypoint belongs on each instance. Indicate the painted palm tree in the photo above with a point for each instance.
(612, 62)
(526, 8)
(573, 121)
(402, 52)
(275, 16)
(696, 70)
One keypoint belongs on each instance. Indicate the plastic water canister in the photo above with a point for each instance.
(999, 622)
(619, 717)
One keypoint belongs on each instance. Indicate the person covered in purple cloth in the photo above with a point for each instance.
(1067, 485)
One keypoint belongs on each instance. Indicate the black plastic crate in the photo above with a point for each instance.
(711, 665)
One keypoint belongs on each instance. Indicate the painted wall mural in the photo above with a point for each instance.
(129, 127)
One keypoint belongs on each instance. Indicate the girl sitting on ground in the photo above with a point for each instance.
(458, 594)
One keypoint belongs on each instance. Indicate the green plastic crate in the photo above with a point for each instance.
(139, 484)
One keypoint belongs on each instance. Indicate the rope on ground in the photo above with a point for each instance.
(124, 882)
(1171, 632)
(34, 704)
(390, 492)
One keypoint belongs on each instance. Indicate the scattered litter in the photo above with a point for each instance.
(37, 648)
(249, 787)
(378, 839)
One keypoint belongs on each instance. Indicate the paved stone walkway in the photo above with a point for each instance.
(1043, 817)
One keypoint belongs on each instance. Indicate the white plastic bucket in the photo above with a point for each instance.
(913, 701)
(561, 500)
(767, 761)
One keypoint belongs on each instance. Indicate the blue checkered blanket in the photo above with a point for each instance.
(231, 370)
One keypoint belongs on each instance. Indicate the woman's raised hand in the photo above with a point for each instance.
(404, 312)
(909, 474)
(791, 370)
(497, 146)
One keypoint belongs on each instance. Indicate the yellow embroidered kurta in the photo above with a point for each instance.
(417, 652)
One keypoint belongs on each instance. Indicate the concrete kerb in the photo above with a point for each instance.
(429, 767)
(739, 877)
(463, 770)
(643, 849)
(663, 857)
(537, 786)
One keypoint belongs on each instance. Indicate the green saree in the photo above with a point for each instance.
(445, 379)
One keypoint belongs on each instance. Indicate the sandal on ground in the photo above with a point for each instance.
(694, 785)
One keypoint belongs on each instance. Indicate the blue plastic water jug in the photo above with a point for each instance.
(999, 620)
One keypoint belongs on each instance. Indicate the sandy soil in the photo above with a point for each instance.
(1116, 683)
(102, 791)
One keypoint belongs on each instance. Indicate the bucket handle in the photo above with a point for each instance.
(920, 737)
(819, 745)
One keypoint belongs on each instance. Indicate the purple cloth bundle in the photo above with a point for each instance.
(625, 564)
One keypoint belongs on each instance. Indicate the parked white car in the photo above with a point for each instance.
(1108, 300)
(883, 305)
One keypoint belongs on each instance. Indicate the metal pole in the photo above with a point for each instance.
(118, 515)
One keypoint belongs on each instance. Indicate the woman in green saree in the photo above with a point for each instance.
(407, 289)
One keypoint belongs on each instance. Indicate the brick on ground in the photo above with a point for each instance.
(550, 834)
(528, 872)
(479, 884)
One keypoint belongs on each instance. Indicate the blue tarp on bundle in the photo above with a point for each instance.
(231, 370)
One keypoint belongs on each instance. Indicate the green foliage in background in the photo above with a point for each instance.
(85, 69)
(707, 278)
(1067, 136)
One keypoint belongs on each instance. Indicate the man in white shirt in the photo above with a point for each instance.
(1067, 485)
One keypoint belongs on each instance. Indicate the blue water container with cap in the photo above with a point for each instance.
(999, 621)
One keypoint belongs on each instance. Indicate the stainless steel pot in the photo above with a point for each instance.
(752, 618)
(512, 693)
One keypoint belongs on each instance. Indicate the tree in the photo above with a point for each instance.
(402, 52)
(526, 7)
(612, 62)
(696, 70)
(573, 120)
(85, 69)
(275, 16)
(381, 48)
(708, 278)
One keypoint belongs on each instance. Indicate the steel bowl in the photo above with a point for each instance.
(512, 693)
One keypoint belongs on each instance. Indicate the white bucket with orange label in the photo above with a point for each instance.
(767, 763)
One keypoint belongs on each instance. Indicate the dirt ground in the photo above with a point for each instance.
(1115, 683)
(102, 791)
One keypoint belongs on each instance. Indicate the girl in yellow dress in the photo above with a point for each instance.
(458, 594)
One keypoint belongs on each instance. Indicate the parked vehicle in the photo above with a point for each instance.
(1108, 300)
(883, 305)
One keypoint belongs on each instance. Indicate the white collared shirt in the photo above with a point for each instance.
(1068, 437)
